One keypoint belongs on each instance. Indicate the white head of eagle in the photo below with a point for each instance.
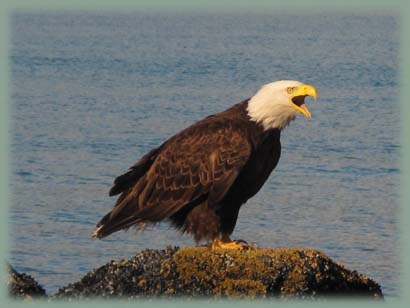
(278, 103)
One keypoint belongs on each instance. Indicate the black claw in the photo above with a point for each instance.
(242, 242)
(245, 244)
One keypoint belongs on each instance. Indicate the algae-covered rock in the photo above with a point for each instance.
(23, 285)
(200, 272)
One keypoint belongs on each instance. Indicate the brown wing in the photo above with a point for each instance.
(203, 160)
(126, 181)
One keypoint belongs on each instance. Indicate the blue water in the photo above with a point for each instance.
(91, 93)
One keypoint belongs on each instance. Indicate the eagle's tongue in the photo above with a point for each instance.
(304, 107)
(305, 111)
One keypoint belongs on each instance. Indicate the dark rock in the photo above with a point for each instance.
(199, 272)
(22, 285)
(146, 274)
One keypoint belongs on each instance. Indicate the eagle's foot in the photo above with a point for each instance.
(234, 245)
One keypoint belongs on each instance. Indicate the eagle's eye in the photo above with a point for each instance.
(290, 90)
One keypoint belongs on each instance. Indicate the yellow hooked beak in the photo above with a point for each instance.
(297, 98)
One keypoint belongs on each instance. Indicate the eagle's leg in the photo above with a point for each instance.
(226, 243)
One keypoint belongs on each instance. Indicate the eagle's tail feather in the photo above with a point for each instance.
(106, 226)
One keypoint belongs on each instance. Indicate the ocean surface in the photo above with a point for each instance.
(91, 93)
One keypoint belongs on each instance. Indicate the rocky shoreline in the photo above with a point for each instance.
(197, 272)
(22, 285)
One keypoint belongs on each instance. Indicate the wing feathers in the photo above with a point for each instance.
(193, 164)
(128, 179)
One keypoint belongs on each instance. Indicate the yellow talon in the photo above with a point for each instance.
(219, 244)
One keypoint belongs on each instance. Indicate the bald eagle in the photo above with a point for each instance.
(199, 178)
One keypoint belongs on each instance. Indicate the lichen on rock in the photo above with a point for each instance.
(198, 272)
(268, 272)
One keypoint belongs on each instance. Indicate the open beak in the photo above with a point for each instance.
(298, 98)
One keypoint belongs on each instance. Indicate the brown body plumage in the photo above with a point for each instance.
(199, 178)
